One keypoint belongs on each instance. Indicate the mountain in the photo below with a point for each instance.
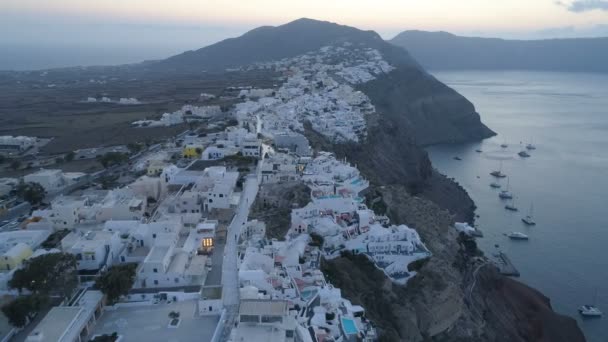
(442, 50)
(268, 43)
(430, 112)
(452, 298)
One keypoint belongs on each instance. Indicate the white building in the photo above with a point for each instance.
(51, 180)
(70, 323)
(10, 143)
(265, 320)
(94, 249)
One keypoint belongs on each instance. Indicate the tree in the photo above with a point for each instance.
(134, 147)
(117, 281)
(70, 156)
(112, 158)
(174, 314)
(23, 309)
(15, 164)
(48, 274)
(31, 192)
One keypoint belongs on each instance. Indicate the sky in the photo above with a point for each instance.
(64, 32)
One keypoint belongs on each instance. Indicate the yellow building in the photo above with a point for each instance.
(15, 256)
(193, 151)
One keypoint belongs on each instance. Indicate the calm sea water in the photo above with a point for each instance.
(565, 115)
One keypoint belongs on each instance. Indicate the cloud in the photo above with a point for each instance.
(579, 6)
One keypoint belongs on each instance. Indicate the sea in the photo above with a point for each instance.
(564, 182)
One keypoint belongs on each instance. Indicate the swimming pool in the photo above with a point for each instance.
(349, 327)
(306, 294)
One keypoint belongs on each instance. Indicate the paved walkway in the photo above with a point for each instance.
(229, 268)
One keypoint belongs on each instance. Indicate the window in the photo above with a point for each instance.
(272, 319)
(156, 282)
(155, 270)
(154, 236)
(288, 333)
(176, 280)
(221, 195)
(249, 319)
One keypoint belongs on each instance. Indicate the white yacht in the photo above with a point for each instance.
(530, 147)
(590, 311)
(529, 219)
(498, 173)
(517, 236)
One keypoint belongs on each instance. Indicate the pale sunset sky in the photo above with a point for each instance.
(149, 29)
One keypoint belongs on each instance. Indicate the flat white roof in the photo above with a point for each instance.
(263, 307)
(157, 253)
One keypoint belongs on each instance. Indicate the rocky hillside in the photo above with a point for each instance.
(412, 109)
(420, 107)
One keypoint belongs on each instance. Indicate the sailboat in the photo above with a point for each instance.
(523, 154)
(504, 144)
(505, 194)
(495, 185)
(530, 146)
(590, 310)
(498, 173)
(511, 206)
(529, 219)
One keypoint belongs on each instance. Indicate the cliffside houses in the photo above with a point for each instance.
(187, 113)
(16, 144)
(54, 181)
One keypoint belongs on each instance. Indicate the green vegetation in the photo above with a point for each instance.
(112, 158)
(54, 239)
(52, 274)
(317, 240)
(135, 147)
(15, 164)
(108, 182)
(117, 281)
(21, 310)
(105, 338)
(417, 265)
(48, 275)
(31, 192)
(239, 160)
(70, 156)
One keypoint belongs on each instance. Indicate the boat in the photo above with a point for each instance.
(495, 185)
(529, 219)
(457, 158)
(505, 194)
(504, 144)
(511, 206)
(530, 147)
(589, 311)
(498, 173)
(524, 154)
(517, 236)
(478, 151)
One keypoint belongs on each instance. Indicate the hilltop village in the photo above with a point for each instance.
(196, 265)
